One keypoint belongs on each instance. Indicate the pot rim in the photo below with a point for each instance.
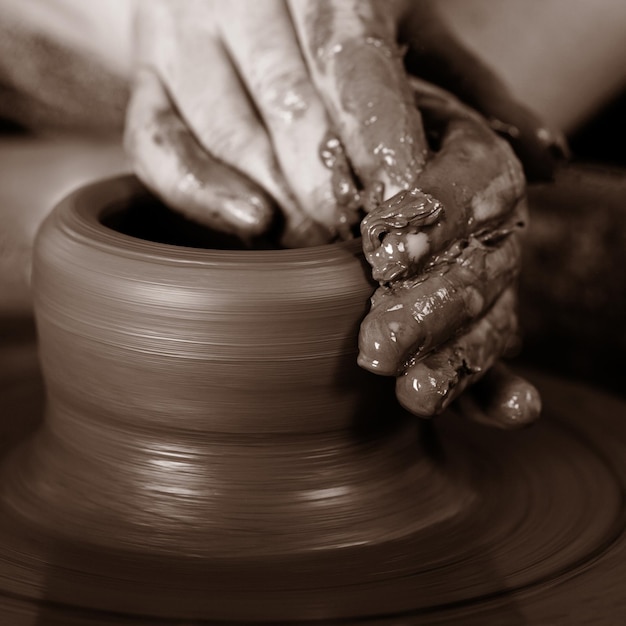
(80, 216)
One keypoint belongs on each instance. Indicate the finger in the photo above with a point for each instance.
(261, 40)
(502, 399)
(410, 318)
(350, 48)
(180, 44)
(472, 183)
(428, 386)
(436, 54)
(169, 160)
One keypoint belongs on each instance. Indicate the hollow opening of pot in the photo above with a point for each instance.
(145, 217)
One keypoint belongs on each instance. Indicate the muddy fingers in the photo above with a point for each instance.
(412, 317)
(168, 158)
(502, 399)
(428, 386)
(472, 183)
(354, 60)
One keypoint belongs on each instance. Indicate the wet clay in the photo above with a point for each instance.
(542, 537)
(344, 189)
(445, 253)
(347, 45)
(473, 185)
(212, 396)
(210, 450)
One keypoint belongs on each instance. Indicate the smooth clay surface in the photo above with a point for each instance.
(211, 396)
(210, 450)
(542, 543)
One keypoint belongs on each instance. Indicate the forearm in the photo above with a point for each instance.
(65, 63)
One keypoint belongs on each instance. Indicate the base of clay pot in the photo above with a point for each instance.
(192, 499)
(546, 512)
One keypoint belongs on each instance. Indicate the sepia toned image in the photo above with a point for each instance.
(312, 312)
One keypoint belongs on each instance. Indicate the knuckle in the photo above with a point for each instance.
(230, 141)
(284, 94)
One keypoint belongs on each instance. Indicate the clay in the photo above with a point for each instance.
(541, 537)
(428, 385)
(345, 47)
(181, 381)
(472, 185)
(410, 318)
(190, 467)
(344, 188)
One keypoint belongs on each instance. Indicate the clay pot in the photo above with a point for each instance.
(207, 401)
(210, 450)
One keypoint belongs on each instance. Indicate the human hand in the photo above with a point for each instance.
(225, 122)
(240, 107)
(446, 254)
(310, 109)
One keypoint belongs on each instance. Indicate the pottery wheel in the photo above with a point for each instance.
(542, 540)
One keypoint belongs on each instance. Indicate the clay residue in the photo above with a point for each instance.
(378, 100)
(372, 99)
(396, 235)
(428, 386)
(343, 186)
(235, 205)
(288, 104)
(411, 317)
(319, 22)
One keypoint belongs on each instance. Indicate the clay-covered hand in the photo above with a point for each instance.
(240, 107)
(225, 123)
(355, 50)
(446, 254)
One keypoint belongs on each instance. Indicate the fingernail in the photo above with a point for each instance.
(251, 215)
(377, 351)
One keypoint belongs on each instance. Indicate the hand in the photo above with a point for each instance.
(225, 122)
(238, 108)
(447, 254)
(306, 105)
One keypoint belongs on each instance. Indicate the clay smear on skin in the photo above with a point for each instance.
(199, 171)
(344, 189)
(289, 104)
(427, 387)
(412, 317)
(367, 93)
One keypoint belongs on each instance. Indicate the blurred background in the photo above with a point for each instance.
(65, 67)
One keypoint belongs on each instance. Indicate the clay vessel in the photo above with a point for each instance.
(206, 400)
(210, 450)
